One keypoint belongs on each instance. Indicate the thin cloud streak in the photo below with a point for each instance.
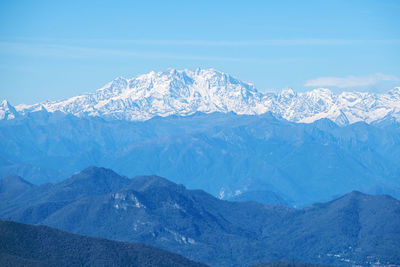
(219, 43)
(68, 51)
(295, 42)
(352, 81)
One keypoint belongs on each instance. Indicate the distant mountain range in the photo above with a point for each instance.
(210, 131)
(241, 157)
(184, 92)
(26, 245)
(355, 229)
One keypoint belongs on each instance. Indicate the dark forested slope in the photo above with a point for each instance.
(26, 245)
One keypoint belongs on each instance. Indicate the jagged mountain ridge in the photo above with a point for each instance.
(184, 92)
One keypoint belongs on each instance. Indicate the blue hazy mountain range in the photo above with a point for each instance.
(354, 229)
(244, 157)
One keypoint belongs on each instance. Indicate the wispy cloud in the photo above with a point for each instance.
(272, 42)
(156, 48)
(217, 43)
(77, 51)
(74, 51)
(352, 81)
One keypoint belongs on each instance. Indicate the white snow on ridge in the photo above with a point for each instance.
(7, 111)
(208, 90)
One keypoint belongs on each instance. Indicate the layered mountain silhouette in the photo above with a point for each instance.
(353, 229)
(26, 245)
(241, 157)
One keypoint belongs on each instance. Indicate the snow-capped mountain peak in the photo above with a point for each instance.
(7, 111)
(184, 92)
(287, 92)
(395, 92)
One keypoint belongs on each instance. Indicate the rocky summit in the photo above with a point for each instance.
(184, 92)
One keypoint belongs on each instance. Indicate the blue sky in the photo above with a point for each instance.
(51, 50)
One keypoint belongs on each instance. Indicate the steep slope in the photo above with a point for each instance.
(26, 245)
(7, 111)
(354, 229)
(175, 92)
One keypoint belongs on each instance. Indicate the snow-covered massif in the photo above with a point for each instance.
(208, 90)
